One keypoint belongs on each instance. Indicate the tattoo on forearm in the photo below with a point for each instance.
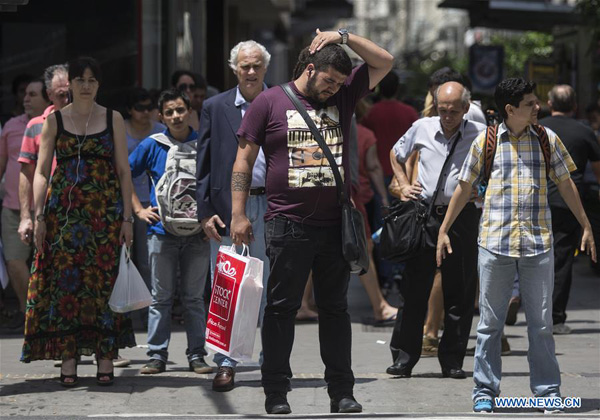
(240, 181)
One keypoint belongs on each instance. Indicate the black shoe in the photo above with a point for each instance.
(399, 370)
(276, 403)
(346, 405)
(454, 373)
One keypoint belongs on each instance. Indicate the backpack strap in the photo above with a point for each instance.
(163, 139)
(542, 136)
(490, 151)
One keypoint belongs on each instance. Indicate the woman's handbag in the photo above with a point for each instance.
(354, 238)
(130, 291)
(408, 228)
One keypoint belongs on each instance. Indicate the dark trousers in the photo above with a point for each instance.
(293, 250)
(567, 234)
(459, 279)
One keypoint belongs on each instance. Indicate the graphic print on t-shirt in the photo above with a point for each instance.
(308, 165)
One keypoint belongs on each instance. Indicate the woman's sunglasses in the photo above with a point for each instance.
(142, 107)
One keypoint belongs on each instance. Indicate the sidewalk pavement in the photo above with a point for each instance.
(32, 390)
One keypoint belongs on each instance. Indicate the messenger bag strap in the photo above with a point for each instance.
(319, 139)
(441, 177)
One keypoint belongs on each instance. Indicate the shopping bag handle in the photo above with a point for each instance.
(127, 253)
(245, 250)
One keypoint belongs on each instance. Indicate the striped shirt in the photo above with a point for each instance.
(516, 218)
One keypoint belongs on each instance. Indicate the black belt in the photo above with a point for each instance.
(257, 191)
(441, 210)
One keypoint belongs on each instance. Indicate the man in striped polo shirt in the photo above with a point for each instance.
(515, 237)
(56, 90)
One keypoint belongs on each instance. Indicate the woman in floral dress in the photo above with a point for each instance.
(80, 224)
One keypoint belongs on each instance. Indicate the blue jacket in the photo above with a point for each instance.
(151, 157)
(217, 149)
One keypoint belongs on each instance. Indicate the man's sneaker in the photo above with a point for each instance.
(513, 309)
(505, 347)
(200, 366)
(483, 405)
(561, 329)
(430, 346)
(153, 366)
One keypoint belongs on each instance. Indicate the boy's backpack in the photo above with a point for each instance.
(490, 151)
(176, 189)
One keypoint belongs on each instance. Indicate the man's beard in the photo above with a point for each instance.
(311, 90)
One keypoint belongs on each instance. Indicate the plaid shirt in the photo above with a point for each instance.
(516, 218)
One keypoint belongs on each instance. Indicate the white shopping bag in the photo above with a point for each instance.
(3, 272)
(130, 291)
(234, 304)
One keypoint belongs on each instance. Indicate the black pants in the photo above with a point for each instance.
(567, 235)
(459, 279)
(294, 249)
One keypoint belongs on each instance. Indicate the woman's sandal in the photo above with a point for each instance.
(101, 375)
(63, 378)
(105, 382)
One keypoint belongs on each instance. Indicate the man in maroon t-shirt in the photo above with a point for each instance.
(303, 216)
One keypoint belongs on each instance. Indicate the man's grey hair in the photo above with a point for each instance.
(465, 98)
(562, 98)
(248, 45)
(52, 71)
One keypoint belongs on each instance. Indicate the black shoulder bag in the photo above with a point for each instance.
(354, 240)
(407, 229)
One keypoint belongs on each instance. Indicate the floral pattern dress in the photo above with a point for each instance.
(72, 278)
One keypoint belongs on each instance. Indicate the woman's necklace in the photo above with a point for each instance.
(79, 141)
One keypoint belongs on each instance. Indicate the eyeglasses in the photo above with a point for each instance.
(184, 86)
(141, 107)
(61, 95)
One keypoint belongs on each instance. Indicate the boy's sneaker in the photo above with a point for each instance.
(553, 410)
(153, 366)
(483, 405)
(561, 329)
(200, 366)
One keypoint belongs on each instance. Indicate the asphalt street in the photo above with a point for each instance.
(32, 390)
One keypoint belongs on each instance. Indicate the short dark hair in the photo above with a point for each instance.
(444, 75)
(135, 95)
(172, 95)
(78, 65)
(511, 91)
(44, 93)
(388, 87)
(562, 98)
(331, 55)
(178, 73)
(19, 80)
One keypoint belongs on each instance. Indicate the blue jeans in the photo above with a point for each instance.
(192, 254)
(536, 279)
(256, 206)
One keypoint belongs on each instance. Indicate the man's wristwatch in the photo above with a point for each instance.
(128, 219)
(344, 34)
(40, 218)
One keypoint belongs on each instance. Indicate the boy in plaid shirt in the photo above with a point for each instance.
(515, 236)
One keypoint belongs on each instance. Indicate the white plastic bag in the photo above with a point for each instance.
(130, 291)
(234, 304)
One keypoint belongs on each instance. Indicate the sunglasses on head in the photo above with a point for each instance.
(184, 86)
(142, 107)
